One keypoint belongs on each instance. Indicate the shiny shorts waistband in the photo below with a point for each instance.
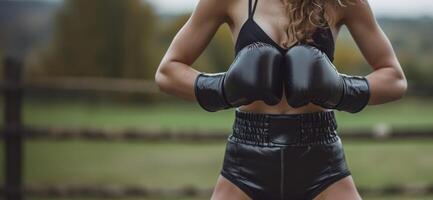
(284, 129)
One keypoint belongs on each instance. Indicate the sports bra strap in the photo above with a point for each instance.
(252, 10)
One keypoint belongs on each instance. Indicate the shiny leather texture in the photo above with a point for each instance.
(284, 157)
(254, 75)
(310, 77)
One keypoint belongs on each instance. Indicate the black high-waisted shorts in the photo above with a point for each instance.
(290, 157)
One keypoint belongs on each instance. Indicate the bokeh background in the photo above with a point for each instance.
(105, 131)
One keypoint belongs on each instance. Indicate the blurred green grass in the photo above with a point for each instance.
(408, 113)
(172, 165)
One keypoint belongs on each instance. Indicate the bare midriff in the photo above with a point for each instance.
(281, 108)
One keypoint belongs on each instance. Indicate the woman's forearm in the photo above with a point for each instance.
(386, 84)
(177, 79)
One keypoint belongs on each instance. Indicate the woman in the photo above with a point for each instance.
(284, 88)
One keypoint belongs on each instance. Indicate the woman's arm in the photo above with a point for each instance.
(387, 82)
(175, 75)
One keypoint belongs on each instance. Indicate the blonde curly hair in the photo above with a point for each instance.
(307, 15)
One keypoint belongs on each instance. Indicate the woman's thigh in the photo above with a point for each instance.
(343, 189)
(226, 190)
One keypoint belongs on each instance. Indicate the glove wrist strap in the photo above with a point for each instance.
(356, 94)
(209, 92)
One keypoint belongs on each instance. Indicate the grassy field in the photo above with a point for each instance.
(404, 113)
(171, 165)
(373, 164)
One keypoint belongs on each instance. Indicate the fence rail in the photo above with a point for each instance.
(125, 85)
(91, 84)
(134, 135)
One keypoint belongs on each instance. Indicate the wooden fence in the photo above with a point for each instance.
(14, 132)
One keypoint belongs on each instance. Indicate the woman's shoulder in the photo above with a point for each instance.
(353, 10)
(213, 10)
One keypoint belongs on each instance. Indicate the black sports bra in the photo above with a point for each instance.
(251, 32)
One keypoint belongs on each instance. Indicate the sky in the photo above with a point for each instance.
(392, 8)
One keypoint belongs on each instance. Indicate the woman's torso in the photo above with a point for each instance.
(268, 23)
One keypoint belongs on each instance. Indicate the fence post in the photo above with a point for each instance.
(12, 129)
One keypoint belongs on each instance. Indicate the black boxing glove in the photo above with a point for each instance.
(311, 77)
(254, 75)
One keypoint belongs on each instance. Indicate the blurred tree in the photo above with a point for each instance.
(222, 49)
(413, 42)
(169, 27)
(125, 39)
(348, 59)
(218, 54)
(101, 38)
